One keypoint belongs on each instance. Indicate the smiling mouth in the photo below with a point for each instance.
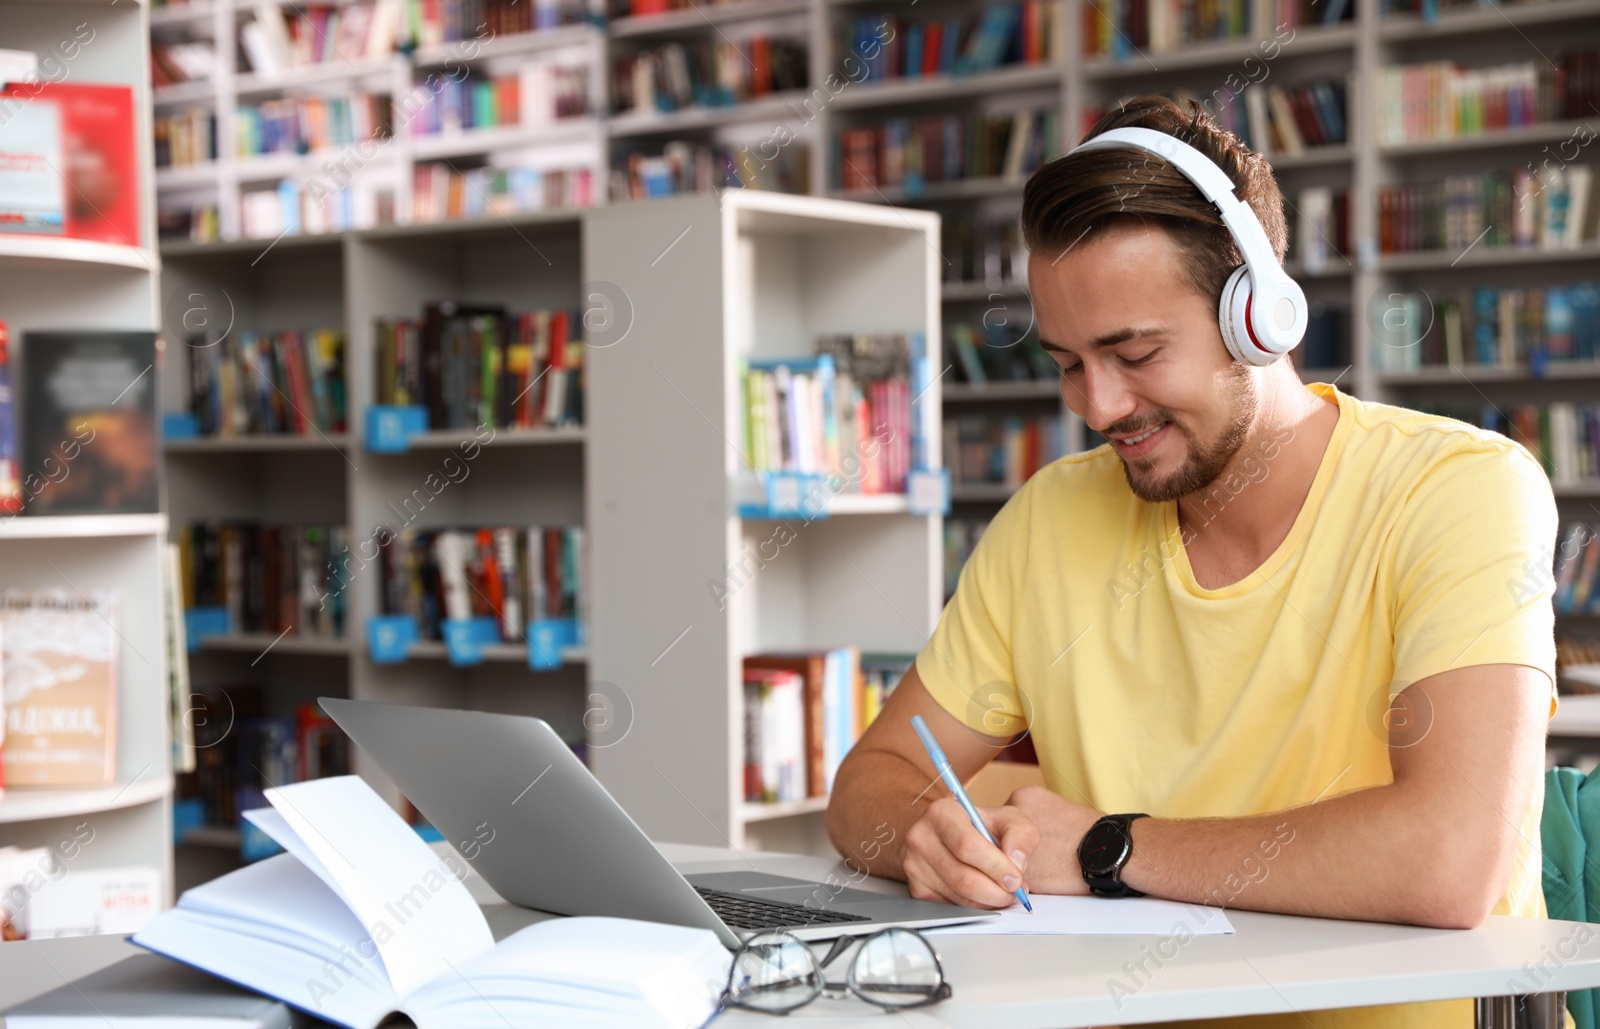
(1142, 436)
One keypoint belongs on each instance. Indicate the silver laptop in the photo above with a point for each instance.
(560, 843)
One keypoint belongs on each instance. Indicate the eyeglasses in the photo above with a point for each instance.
(893, 969)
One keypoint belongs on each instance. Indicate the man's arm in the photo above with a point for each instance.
(887, 784)
(1434, 848)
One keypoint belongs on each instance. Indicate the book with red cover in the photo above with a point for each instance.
(811, 667)
(100, 158)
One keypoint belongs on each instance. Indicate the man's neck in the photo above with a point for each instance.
(1248, 510)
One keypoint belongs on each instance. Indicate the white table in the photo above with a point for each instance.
(1273, 963)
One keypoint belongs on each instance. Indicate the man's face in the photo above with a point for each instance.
(1142, 359)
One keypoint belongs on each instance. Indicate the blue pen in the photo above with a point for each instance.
(948, 774)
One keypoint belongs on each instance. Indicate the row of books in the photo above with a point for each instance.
(188, 61)
(234, 765)
(1443, 100)
(961, 535)
(1322, 230)
(847, 411)
(1564, 437)
(944, 148)
(1577, 567)
(707, 73)
(268, 578)
(197, 222)
(982, 449)
(431, 23)
(1573, 650)
(1555, 209)
(1120, 28)
(803, 711)
(513, 575)
(476, 365)
(1489, 326)
(1268, 119)
(688, 167)
(1001, 35)
(537, 93)
(278, 39)
(440, 191)
(58, 687)
(188, 137)
(296, 125)
(1000, 349)
(293, 208)
(1327, 340)
(987, 250)
(290, 382)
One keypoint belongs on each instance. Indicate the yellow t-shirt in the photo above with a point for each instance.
(1423, 545)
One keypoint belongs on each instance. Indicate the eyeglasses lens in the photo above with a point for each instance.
(774, 972)
(895, 969)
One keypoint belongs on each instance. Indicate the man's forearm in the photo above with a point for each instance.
(877, 797)
(1365, 855)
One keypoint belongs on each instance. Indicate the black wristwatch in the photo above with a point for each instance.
(1103, 852)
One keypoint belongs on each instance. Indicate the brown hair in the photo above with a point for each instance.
(1073, 195)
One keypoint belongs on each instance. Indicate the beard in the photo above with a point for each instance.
(1204, 460)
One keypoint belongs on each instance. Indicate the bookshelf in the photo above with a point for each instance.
(43, 286)
(760, 275)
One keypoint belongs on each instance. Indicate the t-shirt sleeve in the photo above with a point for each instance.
(1473, 577)
(966, 664)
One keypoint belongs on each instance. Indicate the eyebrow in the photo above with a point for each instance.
(1110, 339)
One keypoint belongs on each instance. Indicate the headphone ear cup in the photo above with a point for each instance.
(1233, 317)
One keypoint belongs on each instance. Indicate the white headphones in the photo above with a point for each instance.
(1263, 311)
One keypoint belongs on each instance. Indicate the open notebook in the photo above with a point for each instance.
(361, 919)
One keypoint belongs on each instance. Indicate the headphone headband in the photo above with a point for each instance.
(1272, 311)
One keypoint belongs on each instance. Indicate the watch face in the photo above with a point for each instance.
(1105, 846)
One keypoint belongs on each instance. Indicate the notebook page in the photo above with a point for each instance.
(420, 917)
(269, 821)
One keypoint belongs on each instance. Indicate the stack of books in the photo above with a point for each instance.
(688, 167)
(279, 39)
(297, 125)
(268, 579)
(803, 711)
(1002, 35)
(432, 24)
(1443, 100)
(983, 449)
(1121, 28)
(707, 73)
(188, 137)
(282, 383)
(1001, 349)
(983, 249)
(475, 366)
(1555, 208)
(1491, 326)
(847, 412)
(293, 208)
(538, 93)
(512, 575)
(441, 191)
(914, 152)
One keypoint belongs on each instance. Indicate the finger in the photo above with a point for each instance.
(928, 852)
(968, 846)
(1018, 835)
(919, 880)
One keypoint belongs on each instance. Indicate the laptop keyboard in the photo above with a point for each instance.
(743, 912)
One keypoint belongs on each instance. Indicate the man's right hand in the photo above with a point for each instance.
(948, 860)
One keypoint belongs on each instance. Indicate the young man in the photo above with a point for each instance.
(1308, 638)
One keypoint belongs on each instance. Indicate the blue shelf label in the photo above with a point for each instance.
(547, 638)
(389, 428)
(774, 495)
(203, 621)
(464, 638)
(928, 491)
(180, 425)
(389, 638)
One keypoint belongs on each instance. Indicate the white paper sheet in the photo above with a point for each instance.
(1098, 916)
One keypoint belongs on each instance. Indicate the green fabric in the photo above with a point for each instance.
(1568, 825)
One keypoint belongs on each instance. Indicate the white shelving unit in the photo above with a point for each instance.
(759, 275)
(77, 284)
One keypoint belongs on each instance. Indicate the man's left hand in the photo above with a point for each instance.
(1053, 866)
